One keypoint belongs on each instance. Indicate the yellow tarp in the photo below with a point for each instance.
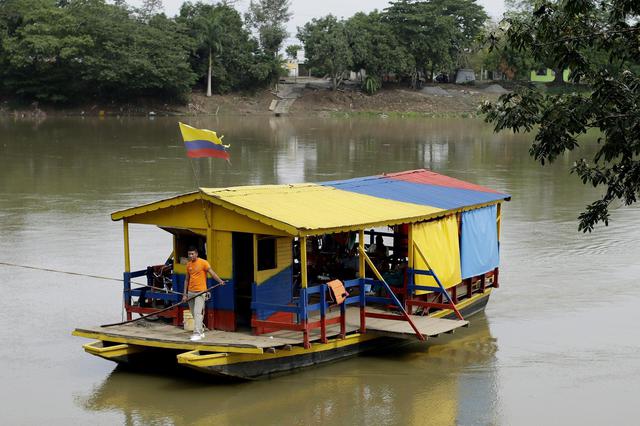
(312, 207)
(438, 241)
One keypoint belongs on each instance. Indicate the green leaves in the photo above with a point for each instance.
(599, 42)
(327, 47)
(88, 48)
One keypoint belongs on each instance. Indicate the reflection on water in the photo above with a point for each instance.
(435, 383)
(564, 319)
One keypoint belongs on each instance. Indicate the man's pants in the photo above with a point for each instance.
(196, 306)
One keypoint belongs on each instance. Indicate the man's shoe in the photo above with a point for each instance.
(196, 337)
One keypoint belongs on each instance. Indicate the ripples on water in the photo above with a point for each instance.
(558, 343)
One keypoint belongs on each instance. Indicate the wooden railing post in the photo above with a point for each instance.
(361, 275)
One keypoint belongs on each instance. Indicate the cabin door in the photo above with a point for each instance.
(243, 276)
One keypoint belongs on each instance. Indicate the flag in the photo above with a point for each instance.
(203, 143)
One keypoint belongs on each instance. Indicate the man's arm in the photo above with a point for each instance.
(215, 276)
(186, 286)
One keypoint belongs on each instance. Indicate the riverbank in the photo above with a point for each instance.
(302, 99)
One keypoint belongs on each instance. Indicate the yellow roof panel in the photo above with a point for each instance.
(313, 207)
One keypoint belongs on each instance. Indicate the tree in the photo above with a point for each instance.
(40, 49)
(375, 48)
(292, 50)
(224, 48)
(435, 32)
(208, 29)
(578, 34)
(512, 63)
(326, 47)
(269, 18)
(149, 9)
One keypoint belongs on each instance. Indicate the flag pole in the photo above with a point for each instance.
(197, 180)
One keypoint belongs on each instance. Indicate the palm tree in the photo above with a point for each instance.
(210, 36)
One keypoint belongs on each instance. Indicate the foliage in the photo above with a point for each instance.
(292, 50)
(375, 48)
(371, 84)
(88, 48)
(269, 18)
(599, 43)
(497, 55)
(219, 29)
(326, 47)
(435, 32)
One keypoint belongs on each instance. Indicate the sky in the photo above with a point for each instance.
(304, 10)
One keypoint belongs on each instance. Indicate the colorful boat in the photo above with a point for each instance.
(315, 272)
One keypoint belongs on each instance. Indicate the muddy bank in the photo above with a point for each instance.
(309, 99)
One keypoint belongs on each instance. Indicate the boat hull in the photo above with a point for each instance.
(251, 367)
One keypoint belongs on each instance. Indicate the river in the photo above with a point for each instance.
(558, 343)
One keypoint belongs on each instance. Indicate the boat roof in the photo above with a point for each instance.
(337, 206)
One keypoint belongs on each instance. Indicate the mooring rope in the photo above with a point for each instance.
(164, 309)
(98, 277)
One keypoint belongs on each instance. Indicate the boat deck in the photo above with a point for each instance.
(163, 335)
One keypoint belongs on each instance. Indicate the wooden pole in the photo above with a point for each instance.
(499, 219)
(127, 260)
(361, 272)
(303, 261)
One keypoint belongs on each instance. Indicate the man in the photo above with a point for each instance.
(196, 282)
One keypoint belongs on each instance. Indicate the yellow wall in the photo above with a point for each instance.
(189, 215)
(221, 254)
(227, 220)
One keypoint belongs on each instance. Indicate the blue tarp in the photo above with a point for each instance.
(417, 193)
(479, 242)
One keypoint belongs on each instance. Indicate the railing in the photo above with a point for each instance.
(147, 293)
(302, 307)
(412, 288)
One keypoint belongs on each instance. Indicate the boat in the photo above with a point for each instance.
(315, 272)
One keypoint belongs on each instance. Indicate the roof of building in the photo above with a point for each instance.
(350, 204)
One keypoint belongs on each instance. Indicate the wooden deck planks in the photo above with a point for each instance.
(170, 334)
(160, 332)
(402, 329)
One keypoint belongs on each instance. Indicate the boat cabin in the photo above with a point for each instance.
(408, 242)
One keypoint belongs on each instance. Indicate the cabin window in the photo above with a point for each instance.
(187, 239)
(266, 254)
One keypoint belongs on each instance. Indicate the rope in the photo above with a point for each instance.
(163, 310)
(98, 277)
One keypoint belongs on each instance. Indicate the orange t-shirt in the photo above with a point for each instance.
(197, 275)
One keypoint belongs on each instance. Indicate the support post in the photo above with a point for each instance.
(362, 274)
(127, 259)
(127, 270)
(408, 294)
(209, 311)
(303, 262)
(323, 314)
(499, 220)
(303, 293)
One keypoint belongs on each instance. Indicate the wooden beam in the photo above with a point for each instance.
(361, 269)
(303, 261)
(127, 259)
(499, 219)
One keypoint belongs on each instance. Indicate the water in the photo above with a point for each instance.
(558, 343)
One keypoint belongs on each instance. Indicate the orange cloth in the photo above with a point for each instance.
(198, 275)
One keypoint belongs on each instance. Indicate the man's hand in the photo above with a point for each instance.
(222, 282)
(184, 298)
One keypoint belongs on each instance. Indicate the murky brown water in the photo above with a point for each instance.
(558, 344)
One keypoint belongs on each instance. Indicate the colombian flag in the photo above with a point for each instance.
(203, 143)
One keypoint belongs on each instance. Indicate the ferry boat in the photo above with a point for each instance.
(315, 272)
